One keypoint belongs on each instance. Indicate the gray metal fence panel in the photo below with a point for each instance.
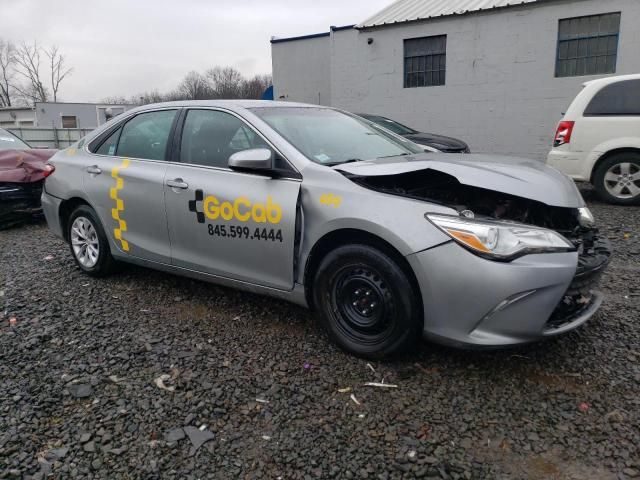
(50, 137)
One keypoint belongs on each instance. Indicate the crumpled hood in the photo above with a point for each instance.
(438, 141)
(512, 175)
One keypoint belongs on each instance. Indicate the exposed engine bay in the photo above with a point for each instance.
(434, 186)
(473, 202)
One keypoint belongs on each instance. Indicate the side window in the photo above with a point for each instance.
(108, 147)
(621, 98)
(210, 137)
(146, 135)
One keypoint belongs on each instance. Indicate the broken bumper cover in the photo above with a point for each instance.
(51, 210)
(19, 202)
(470, 301)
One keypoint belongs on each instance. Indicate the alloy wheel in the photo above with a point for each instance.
(622, 180)
(84, 241)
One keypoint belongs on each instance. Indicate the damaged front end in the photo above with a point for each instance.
(22, 174)
(19, 202)
(574, 223)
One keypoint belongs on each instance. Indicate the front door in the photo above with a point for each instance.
(231, 224)
(125, 184)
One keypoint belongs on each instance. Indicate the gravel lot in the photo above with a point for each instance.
(258, 382)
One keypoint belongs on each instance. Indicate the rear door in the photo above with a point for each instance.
(226, 223)
(125, 184)
(612, 114)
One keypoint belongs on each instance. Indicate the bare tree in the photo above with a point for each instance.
(114, 100)
(194, 87)
(225, 82)
(57, 70)
(148, 97)
(27, 58)
(253, 88)
(217, 82)
(7, 70)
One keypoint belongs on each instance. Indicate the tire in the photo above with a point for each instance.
(609, 179)
(88, 242)
(366, 302)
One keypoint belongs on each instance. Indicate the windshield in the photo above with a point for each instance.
(331, 137)
(389, 124)
(9, 141)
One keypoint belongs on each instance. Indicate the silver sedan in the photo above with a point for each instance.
(310, 204)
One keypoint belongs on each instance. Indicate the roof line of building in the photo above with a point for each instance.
(313, 35)
(89, 103)
(471, 11)
(6, 109)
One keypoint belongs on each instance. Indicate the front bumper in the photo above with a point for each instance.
(51, 210)
(470, 301)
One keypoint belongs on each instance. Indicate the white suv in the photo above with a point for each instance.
(598, 140)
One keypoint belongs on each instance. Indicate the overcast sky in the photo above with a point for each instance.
(124, 47)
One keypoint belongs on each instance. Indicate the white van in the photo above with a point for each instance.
(598, 140)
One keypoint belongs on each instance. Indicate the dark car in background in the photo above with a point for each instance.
(22, 173)
(440, 143)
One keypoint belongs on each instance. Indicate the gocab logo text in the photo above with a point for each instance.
(240, 209)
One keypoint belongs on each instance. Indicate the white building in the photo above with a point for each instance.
(85, 116)
(495, 73)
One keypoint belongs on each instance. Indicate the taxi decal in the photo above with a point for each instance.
(119, 208)
(330, 200)
(240, 209)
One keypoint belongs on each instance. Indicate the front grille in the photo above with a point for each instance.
(594, 253)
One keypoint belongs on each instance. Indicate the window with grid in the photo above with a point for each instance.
(69, 121)
(425, 61)
(588, 45)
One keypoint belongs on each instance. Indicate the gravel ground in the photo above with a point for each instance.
(145, 375)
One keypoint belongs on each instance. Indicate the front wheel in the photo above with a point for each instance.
(88, 242)
(617, 179)
(366, 302)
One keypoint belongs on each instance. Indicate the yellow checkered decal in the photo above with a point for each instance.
(119, 209)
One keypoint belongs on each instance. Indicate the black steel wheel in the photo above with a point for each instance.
(366, 302)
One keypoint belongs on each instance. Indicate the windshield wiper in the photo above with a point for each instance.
(351, 160)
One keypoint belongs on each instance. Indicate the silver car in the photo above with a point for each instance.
(325, 209)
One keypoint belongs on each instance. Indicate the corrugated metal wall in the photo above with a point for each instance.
(50, 137)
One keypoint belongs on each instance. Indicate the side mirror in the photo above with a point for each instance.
(255, 159)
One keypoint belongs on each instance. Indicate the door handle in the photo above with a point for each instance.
(177, 183)
(94, 170)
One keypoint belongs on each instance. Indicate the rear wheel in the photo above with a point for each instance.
(88, 242)
(617, 179)
(366, 302)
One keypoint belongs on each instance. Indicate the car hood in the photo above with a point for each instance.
(438, 141)
(511, 175)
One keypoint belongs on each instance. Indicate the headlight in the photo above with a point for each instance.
(585, 217)
(500, 240)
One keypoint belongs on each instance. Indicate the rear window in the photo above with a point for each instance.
(621, 98)
(8, 141)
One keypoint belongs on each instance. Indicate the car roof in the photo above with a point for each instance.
(614, 79)
(228, 104)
